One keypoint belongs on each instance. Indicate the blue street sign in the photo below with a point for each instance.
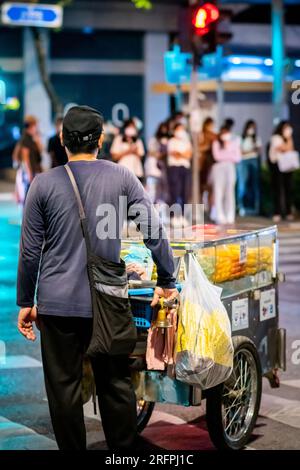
(25, 14)
(178, 66)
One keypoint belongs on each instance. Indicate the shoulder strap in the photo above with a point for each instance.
(76, 191)
(83, 219)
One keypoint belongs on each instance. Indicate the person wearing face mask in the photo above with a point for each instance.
(282, 149)
(155, 166)
(248, 188)
(180, 118)
(55, 149)
(128, 150)
(179, 152)
(206, 139)
(226, 153)
(28, 155)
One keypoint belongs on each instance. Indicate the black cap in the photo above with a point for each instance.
(82, 125)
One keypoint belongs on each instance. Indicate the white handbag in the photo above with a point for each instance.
(288, 161)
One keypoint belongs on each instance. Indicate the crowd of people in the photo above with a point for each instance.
(229, 164)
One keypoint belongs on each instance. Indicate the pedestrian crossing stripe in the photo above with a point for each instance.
(290, 268)
(291, 277)
(19, 362)
(280, 409)
(16, 436)
(4, 197)
(291, 383)
(289, 254)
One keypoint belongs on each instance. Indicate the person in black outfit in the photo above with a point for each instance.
(55, 149)
(53, 255)
(282, 182)
(30, 147)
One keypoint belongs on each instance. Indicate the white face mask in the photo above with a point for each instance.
(130, 132)
(138, 123)
(183, 121)
(180, 134)
(226, 137)
(288, 132)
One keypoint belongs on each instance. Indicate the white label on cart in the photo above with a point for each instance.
(243, 251)
(240, 314)
(267, 307)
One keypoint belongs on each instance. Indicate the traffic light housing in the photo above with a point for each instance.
(204, 18)
(202, 27)
(203, 31)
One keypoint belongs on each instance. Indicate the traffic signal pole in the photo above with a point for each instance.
(220, 86)
(202, 41)
(279, 92)
(195, 130)
(194, 110)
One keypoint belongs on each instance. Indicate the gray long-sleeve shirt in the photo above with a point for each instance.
(52, 245)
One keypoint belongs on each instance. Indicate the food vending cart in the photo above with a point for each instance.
(245, 264)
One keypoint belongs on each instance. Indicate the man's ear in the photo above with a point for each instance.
(61, 139)
(101, 140)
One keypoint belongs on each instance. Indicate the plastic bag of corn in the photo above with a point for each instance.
(204, 350)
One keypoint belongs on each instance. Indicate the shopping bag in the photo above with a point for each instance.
(204, 350)
(288, 161)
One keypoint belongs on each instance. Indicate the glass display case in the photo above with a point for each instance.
(236, 260)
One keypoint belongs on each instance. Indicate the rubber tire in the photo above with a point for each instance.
(214, 407)
(142, 422)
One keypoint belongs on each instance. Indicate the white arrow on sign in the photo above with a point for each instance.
(28, 14)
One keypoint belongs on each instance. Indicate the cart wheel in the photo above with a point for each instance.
(144, 412)
(232, 407)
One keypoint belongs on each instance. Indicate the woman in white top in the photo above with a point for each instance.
(249, 174)
(179, 153)
(226, 153)
(281, 142)
(128, 150)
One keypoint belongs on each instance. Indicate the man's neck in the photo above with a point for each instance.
(82, 156)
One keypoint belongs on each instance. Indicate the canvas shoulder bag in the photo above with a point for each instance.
(288, 161)
(114, 331)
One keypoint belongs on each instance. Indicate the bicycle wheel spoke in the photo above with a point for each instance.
(237, 396)
(232, 419)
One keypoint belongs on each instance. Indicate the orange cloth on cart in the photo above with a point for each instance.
(161, 344)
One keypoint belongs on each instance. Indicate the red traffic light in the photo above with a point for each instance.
(204, 16)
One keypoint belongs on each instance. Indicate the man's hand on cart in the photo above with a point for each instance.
(168, 294)
(138, 269)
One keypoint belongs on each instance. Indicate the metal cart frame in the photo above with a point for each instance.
(260, 345)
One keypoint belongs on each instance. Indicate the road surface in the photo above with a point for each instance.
(24, 417)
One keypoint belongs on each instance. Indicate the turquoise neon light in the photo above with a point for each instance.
(2, 92)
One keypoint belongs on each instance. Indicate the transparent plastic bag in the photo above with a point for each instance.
(204, 350)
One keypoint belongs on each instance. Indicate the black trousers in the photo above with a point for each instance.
(282, 190)
(63, 343)
(179, 181)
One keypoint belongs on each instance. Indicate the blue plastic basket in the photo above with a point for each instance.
(142, 313)
(141, 309)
